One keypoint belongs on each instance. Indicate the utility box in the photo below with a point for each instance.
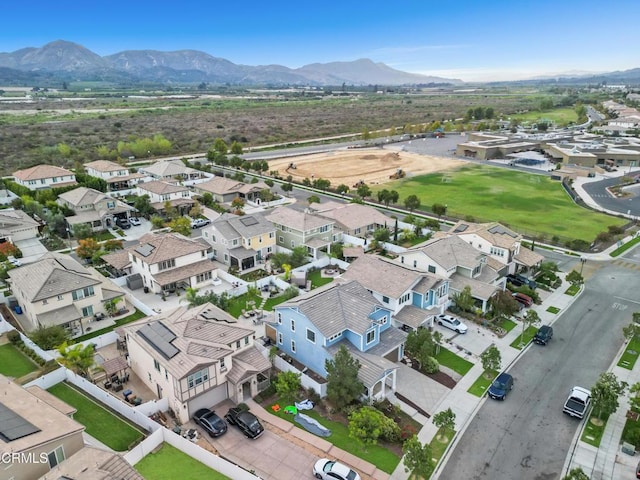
(628, 448)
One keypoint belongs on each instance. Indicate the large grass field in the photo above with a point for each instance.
(14, 363)
(99, 422)
(169, 463)
(530, 204)
(559, 115)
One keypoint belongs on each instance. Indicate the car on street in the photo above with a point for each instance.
(199, 222)
(543, 335)
(325, 469)
(212, 423)
(135, 221)
(501, 386)
(246, 421)
(452, 323)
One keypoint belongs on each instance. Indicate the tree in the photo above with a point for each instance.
(382, 234)
(605, 394)
(412, 202)
(287, 385)
(48, 338)
(420, 346)
(322, 184)
(143, 205)
(196, 210)
(631, 331)
(191, 297)
(313, 199)
(574, 278)
(530, 318)
(342, 189)
(286, 187)
(491, 359)
(368, 424)
(157, 221)
(207, 199)
(111, 306)
(82, 230)
(181, 225)
(113, 244)
(503, 304)
(87, 248)
(236, 148)
(78, 358)
(343, 385)
(576, 474)
(439, 209)
(220, 146)
(363, 191)
(298, 256)
(384, 196)
(418, 458)
(237, 203)
(170, 211)
(463, 299)
(445, 419)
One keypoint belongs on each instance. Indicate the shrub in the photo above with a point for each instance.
(633, 436)
(14, 337)
(431, 365)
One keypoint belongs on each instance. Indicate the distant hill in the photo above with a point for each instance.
(69, 61)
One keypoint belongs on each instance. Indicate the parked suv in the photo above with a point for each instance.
(518, 280)
(543, 335)
(123, 223)
(501, 386)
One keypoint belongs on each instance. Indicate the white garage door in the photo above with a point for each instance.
(209, 399)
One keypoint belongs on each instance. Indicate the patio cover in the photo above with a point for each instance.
(60, 316)
(114, 366)
(241, 253)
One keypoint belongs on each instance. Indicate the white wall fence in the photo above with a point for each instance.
(215, 462)
(41, 353)
(50, 379)
(307, 381)
(322, 262)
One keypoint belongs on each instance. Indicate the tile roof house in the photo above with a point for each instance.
(117, 177)
(165, 262)
(453, 258)
(93, 463)
(34, 435)
(160, 192)
(241, 241)
(44, 176)
(94, 208)
(57, 290)
(225, 190)
(312, 327)
(16, 225)
(196, 358)
(295, 228)
(413, 296)
(172, 170)
(353, 218)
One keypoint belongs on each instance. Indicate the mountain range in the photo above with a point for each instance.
(68, 61)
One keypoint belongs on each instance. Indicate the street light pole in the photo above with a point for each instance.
(582, 262)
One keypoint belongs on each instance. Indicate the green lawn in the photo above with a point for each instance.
(439, 447)
(450, 360)
(625, 247)
(559, 115)
(169, 463)
(523, 340)
(572, 290)
(508, 196)
(482, 384)
(552, 309)
(508, 325)
(630, 355)
(103, 236)
(380, 457)
(592, 433)
(137, 315)
(14, 363)
(239, 303)
(99, 422)
(317, 280)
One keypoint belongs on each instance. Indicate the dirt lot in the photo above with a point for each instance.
(373, 166)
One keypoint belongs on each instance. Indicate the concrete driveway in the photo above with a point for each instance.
(31, 249)
(420, 389)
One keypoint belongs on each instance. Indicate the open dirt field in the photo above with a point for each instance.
(373, 166)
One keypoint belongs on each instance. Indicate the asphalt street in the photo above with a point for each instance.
(597, 191)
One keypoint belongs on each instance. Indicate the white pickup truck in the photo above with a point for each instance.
(578, 402)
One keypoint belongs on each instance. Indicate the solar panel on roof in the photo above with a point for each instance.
(160, 337)
(13, 426)
(145, 249)
(248, 221)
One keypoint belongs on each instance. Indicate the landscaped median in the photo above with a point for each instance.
(630, 355)
(620, 250)
(482, 383)
(523, 340)
(593, 430)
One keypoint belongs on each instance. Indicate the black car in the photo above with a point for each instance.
(123, 223)
(515, 281)
(543, 335)
(501, 386)
(246, 421)
(211, 422)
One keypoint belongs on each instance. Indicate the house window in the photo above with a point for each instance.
(371, 336)
(223, 367)
(311, 336)
(82, 293)
(45, 301)
(279, 318)
(272, 234)
(156, 364)
(357, 231)
(235, 242)
(293, 346)
(238, 344)
(185, 193)
(166, 374)
(213, 237)
(293, 244)
(402, 259)
(385, 299)
(203, 276)
(198, 378)
(269, 249)
(226, 258)
(324, 228)
(246, 340)
(498, 252)
(167, 264)
(281, 239)
(87, 311)
(56, 456)
(111, 205)
(280, 338)
(415, 264)
(60, 297)
(333, 337)
(293, 325)
(431, 269)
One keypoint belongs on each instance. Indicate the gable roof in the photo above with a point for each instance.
(81, 196)
(450, 252)
(160, 188)
(352, 215)
(167, 168)
(41, 171)
(158, 247)
(11, 220)
(495, 233)
(53, 274)
(224, 186)
(105, 166)
(300, 221)
(246, 226)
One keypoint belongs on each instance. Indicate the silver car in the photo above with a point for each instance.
(452, 323)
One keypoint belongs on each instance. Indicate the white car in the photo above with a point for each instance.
(451, 322)
(134, 221)
(200, 222)
(326, 469)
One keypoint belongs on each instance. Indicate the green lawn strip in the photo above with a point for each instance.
(239, 303)
(438, 447)
(625, 247)
(98, 421)
(122, 321)
(523, 340)
(481, 385)
(374, 454)
(14, 363)
(317, 280)
(169, 463)
(572, 290)
(552, 309)
(508, 325)
(450, 360)
(630, 354)
(103, 236)
(511, 197)
(274, 301)
(592, 434)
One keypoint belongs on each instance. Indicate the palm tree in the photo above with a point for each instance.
(191, 297)
(78, 358)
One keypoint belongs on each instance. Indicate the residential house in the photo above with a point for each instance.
(93, 208)
(241, 241)
(311, 328)
(93, 463)
(57, 290)
(196, 358)
(295, 228)
(16, 225)
(44, 176)
(165, 262)
(499, 243)
(170, 170)
(161, 192)
(225, 190)
(118, 178)
(353, 218)
(414, 297)
(35, 435)
(453, 258)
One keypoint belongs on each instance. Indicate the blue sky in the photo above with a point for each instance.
(470, 40)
